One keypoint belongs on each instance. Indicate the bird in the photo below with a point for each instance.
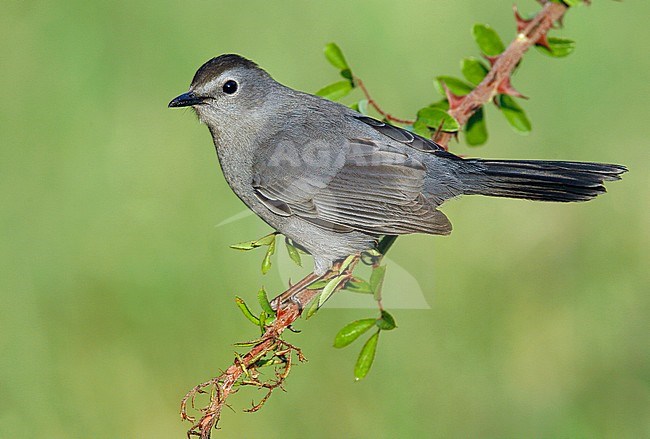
(335, 181)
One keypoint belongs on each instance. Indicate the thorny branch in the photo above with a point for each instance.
(533, 32)
(530, 32)
(289, 305)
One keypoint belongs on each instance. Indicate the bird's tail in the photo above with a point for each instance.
(537, 179)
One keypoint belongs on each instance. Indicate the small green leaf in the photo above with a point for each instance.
(245, 344)
(318, 285)
(363, 106)
(420, 127)
(488, 40)
(313, 307)
(474, 70)
(293, 252)
(514, 114)
(455, 85)
(435, 118)
(335, 56)
(335, 91)
(246, 311)
(559, 47)
(329, 289)
(245, 246)
(356, 285)
(347, 74)
(263, 299)
(476, 129)
(266, 240)
(262, 319)
(346, 262)
(268, 362)
(386, 321)
(442, 104)
(352, 331)
(266, 262)
(366, 357)
(250, 245)
(377, 280)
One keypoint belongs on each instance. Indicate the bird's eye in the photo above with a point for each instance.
(230, 87)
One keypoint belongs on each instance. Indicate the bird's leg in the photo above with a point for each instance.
(294, 289)
(300, 294)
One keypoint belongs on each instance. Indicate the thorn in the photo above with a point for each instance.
(522, 23)
(454, 100)
(492, 59)
(506, 88)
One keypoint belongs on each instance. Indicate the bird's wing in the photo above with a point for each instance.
(401, 135)
(368, 185)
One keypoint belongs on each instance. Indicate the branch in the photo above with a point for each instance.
(244, 370)
(502, 67)
(373, 103)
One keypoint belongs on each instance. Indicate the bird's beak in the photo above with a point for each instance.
(186, 100)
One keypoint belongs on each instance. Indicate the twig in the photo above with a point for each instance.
(376, 106)
(289, 305)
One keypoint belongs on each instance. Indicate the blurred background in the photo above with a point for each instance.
(117, 288)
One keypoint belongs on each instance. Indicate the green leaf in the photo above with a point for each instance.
(356, 285)
(268, 362)
(329, 289)
(352, 331)
(366, 357)
(263, 299)
(361, 106)
(455, 85)
(335, 91)
(245, 246)
(346, 262)
(266, 240)
(347, 74)
(293, 252)
(420, 127)
(246, 311)
(442, 104)
(245, 344)
(488, 40)
(386, 321)
(318, 285)
(559, 47)
(377, 280)
(514, 114)
(250, 245)
(262, 319)
(312, 308)
(266, 262)
(474, 70)
(335, 56)
(435, 117)
(476, 129)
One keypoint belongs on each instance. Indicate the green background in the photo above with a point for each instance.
(117, 288)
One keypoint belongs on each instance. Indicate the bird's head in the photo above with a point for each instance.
(225, 90)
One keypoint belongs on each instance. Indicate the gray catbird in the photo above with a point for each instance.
(334, 181)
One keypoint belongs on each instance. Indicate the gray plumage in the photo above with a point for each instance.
(334, 180)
